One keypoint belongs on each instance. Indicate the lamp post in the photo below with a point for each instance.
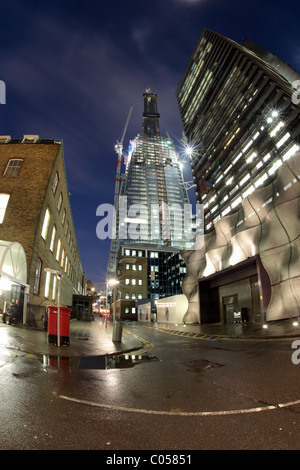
(114, 283)
(106, 305)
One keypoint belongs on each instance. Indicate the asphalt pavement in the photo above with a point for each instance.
(96, 339)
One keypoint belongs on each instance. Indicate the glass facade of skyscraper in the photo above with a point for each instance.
(236, 107)
(153, 204)
(154, 181)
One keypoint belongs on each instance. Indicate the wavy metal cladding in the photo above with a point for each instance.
(267, 223)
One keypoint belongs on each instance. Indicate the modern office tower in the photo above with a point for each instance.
(152, 195)
(241, 116)
(238, 115)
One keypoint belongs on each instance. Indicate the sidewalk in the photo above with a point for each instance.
(281, 329)
(86, 339)
(94, 339)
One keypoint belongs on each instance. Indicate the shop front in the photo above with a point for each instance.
(13, 282)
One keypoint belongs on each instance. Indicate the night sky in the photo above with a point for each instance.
(73, 69)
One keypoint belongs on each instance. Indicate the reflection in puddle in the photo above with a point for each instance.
(123, 361)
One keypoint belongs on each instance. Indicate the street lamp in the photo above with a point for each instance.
(114, 283)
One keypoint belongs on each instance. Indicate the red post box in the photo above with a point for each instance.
(64, 325)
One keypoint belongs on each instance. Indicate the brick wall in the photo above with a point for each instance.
(30, 195)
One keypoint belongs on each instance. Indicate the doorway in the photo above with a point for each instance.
(231, 309)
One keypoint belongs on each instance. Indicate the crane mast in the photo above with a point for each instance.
(111, 268)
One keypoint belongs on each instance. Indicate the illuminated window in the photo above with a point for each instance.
(66, 264)
(236, 202)
(4, 198)
(47, 284)
(283, 139)
(62, 258)
(226, 211)
(275, 166)
(276, 129)
(290, 152)
(58, 249)
(251, 157)
(261, 180)
(46, 224)
(244, 179)
(13, 167)
(267, 157)
(248, 191)
(53, 238)
(127, 281)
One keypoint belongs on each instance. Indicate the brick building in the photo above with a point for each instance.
(36, 219)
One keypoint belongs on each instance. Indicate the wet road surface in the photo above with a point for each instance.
(176, 393)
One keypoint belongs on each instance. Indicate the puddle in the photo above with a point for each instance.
(124, 361)
(114, 361)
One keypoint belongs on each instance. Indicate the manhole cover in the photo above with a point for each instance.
(202, 365)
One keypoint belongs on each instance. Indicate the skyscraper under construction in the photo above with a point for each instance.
(153, 200)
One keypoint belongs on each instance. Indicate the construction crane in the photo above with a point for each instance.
(111, 268)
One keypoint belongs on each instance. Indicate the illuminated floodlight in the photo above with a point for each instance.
(189, 150)
(274, 113)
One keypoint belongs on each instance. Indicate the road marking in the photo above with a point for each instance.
(206, 337)
(181, 413)
(147, 346)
